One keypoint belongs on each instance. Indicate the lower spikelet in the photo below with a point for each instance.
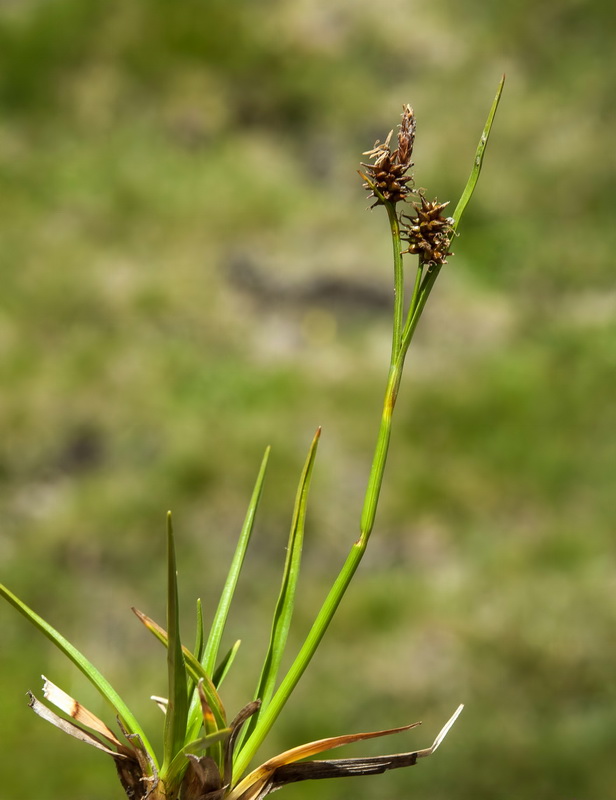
(428, 232)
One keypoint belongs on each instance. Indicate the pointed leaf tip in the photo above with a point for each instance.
(177, 708)
(478, 160)
(284, 605)
(442, 733)
(210, 653)
(447, 727)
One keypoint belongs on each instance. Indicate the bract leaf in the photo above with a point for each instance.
(478, 162)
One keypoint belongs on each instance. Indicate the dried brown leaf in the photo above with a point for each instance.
(69, 727)
(252, 784)
(74, 709)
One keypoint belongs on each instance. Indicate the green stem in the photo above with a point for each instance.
(341, 583)
(402, 334)
(394, 225)
(375, 479)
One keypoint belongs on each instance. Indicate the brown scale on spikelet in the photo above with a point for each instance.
(388, 173)
(428, 232)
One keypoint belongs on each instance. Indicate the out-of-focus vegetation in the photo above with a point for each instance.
(189, 273)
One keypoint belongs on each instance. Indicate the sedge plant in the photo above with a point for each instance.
(206, 756)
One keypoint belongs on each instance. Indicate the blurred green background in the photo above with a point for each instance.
(189, 273)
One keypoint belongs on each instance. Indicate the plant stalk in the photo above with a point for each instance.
(402, 334)
(394, 226)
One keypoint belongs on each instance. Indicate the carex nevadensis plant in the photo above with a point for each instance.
(205, 755)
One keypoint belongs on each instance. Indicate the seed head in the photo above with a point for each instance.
(428, 232)
(388, 172)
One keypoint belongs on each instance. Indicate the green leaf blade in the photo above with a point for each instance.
(177, 708)
(220, 618)
(478, 162)
(225, 664)
(198, 649)
(100, 683)
(286, 598)
(199, 641)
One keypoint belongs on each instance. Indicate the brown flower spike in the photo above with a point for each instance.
(388, 173)
(428, 232)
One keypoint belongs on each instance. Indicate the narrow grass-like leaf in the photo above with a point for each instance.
(225, 664)
(220, 617)
(199, 640)
(177, 707)
(481, 147)
(100, 683)
(193, 667)
(198, 650)
(284, 606)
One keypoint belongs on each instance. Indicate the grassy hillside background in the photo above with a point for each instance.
(189, 273)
